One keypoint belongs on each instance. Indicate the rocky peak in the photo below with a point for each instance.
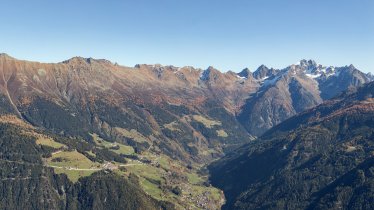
(370, 76)
(350, 70)
(77, 60)
(80, 60)
(351, 66)
(6, 56)
(159, 69)
(209, 73)
(246, 73)
(211, 68)
(144, 66)
(263, 72)
(308, 63)
(311, 67)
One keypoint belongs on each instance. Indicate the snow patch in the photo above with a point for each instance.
(336, 73)
(263, 79)
(270, 81)
(321, 71)
(313, 76)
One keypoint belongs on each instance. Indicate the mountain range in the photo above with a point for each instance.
(91, 118)
(284, 93)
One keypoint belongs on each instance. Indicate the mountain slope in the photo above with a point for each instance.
(158, 108)
(81, 86)
(294, 89)
(151, 97)
(319, 159)
(27, 183)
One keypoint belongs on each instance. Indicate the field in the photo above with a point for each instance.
(47, 141)
(123, 149)
(132, 134)
(74, 175)
(207, 122)
(73, 164)
(159, 176)
(222, 133)
(173, 126)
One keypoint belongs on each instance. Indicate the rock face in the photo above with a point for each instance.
(319, 159)
(264, 72)
(296, 88)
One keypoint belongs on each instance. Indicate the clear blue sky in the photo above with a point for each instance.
(230, 34)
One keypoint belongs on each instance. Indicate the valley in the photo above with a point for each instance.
(158, 175)
(187, 105)
(87, 125)
(319, 159)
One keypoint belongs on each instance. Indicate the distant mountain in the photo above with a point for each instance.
(320, 159)
(284, 93)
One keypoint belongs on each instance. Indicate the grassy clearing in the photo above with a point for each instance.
(209, 152)
(222, 133)
(47, 141)
(73, 164)
(214, 193)
(132, 134)
(146, 171)
(172, 126)
(207, 122)
(71, 159)
(73, 175)
(91, 153)
(194, 179)
(151, 188)
(123, 149)
(164, 162)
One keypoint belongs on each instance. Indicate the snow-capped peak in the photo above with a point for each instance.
(314, 70)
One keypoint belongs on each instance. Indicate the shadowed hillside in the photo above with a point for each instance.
(319, 159)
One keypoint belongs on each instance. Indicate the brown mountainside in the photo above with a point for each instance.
(153, 107)
(183, 112)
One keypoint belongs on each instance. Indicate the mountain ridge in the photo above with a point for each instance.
(318, 159)
(261, 66)
(236, 91)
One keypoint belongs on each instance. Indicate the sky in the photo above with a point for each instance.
(226, 34)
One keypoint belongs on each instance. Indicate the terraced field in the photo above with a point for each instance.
(159, 176)
(165, 179)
